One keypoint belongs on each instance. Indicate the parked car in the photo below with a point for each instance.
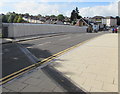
(107, 28)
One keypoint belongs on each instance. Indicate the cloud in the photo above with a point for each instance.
(1, 6)
(68, 13)
(42, 7)
(35, 8)
(109, 10)
(59, 0)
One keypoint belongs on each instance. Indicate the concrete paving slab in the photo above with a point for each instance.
(16, 86)
(35, 81)
(95, 61)
(31, 88)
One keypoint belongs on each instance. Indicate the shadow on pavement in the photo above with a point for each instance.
(59, 78)
(52, 73)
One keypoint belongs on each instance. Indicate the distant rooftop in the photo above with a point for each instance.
(98, 17)
(110, 17)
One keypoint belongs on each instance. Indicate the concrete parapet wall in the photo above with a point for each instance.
(27, 29)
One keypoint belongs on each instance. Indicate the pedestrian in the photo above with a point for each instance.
(112, 30)
(115, 30)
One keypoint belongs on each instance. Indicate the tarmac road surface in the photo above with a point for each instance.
(16, 56)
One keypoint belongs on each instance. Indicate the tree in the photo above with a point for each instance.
(75, 15)
(10, 18)
(4, 18)
(27, 14)
(52, 16)
(19, 19)
(60, 17)
(7, 16)
(117, 17)
(13, 13)
(9, 13)
(77, 12)
(79, 16)
(39, 15)
(15, 19)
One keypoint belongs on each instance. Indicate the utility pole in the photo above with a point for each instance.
(119, 8)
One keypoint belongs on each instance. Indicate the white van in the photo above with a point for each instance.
(95, 27)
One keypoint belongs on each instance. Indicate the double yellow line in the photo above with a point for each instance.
(24, 70)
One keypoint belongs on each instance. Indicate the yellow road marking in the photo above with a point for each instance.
(43, 61)
(62, 52)
(17, 72)
(13, 77)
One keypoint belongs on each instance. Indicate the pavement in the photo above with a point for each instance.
(94, 65)
(37, 81)
(91, 67)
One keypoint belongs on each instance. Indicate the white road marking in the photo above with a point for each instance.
(39, 44)
(44, 43)
(9, 39)
(65, 38)
(30, 47)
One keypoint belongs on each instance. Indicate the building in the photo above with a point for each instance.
(90, 24)
(109, 21)
(59, 23)
(67, 21)
(46, 20)
(97, 19)
(33, 20)
(82, 22)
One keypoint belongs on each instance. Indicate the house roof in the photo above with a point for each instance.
(85, 21)
(98, 17)
(110, 17)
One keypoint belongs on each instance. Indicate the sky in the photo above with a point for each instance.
(87, 8)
